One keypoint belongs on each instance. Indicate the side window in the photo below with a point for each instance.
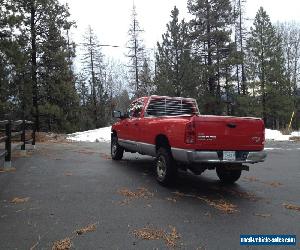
(135, 108)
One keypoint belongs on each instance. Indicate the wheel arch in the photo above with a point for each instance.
(114, 133)
(162, 140)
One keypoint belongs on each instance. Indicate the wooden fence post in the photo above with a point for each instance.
(33, 133)
(23, 136)
(7, 163)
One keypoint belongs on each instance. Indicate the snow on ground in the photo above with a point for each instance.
(103, 135)
(295, 134)
(276, 135)
(97, 135)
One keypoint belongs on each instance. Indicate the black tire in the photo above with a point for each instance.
(228, 176)
(116, 150)
(165, 167)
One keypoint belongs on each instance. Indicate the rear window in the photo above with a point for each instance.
(171, 107)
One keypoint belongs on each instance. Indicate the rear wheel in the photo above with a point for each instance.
(116, 150)
(228, 176)
(165, 167)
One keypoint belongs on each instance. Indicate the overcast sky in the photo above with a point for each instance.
(111, 18)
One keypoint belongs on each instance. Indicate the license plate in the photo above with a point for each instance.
(229, 155)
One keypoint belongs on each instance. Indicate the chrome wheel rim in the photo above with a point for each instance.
(114, 148)
(161, 168)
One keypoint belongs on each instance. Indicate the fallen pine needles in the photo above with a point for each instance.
(18, 200)
(87, 229)
(140, 193)
(291, 206)
(147, 233)
(7, 170)
(64, 244)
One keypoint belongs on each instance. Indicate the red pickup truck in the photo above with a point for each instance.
(172, 130)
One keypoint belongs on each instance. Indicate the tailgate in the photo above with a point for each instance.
(229, 133)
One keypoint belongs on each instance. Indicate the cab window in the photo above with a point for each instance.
(135, 108)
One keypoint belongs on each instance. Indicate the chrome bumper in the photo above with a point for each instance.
(189, 156)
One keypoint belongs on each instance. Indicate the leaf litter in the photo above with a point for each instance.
(140, 193)
(241, 194)
(87, 229)
(219, 204)
(291, 207)
(43, 137)
(274, 184)
(150, 233)
(7, 170)
(66, 243)
(18, 200)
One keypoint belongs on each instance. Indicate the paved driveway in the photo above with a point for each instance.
(59, 189)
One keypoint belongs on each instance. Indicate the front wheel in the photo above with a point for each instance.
(116, 150)
(228, 176)
(165, 167)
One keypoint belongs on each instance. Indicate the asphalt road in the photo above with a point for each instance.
(71, 186)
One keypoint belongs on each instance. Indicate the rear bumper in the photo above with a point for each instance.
(193, 156)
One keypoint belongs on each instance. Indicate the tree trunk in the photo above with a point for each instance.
(244, 88)
(34, 66)
(93, 89)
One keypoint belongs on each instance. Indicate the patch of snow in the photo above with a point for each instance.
(276, 135)
(295, 133)
(96, 135)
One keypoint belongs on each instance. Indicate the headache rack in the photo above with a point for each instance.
(171, 106)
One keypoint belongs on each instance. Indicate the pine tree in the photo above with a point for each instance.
(290, 33)
(36, 32)
(267, 70)
(173, 59)
(13, 77)
(58, 98)
(211, 30)
(240, 37)
(146, 83)
(94, 70)
(136, 52)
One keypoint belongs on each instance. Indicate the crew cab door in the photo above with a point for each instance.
(133, 124)
(135, 116)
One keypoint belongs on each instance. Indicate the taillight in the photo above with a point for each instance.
(190, 133)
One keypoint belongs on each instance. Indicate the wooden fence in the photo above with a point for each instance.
(13, 133)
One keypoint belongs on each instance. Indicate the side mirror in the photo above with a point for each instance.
(119, 114)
